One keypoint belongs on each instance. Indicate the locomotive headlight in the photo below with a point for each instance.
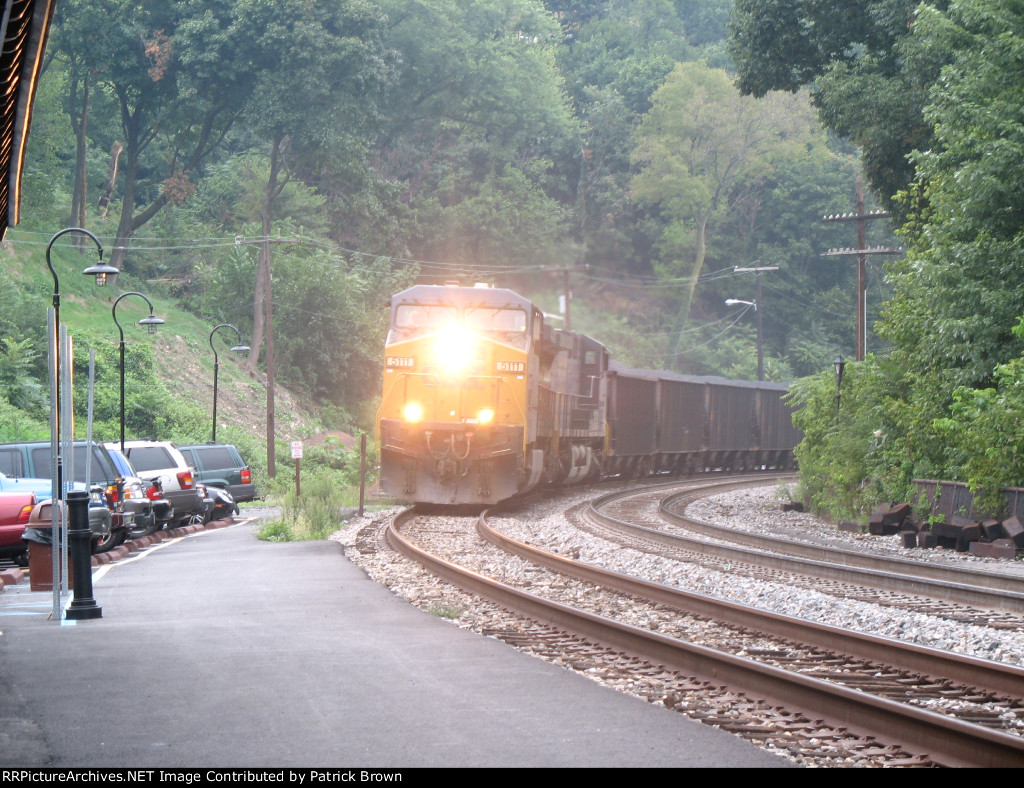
(454, 349)
(412, 412)
(485, 416)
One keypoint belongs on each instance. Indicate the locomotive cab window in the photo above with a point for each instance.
(491, 319)
(424, 316)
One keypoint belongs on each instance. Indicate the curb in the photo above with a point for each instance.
(15, 576)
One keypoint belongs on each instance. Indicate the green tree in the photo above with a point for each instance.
(704, 155)
(956, 297)
(476, 117)
(179, 73)
(871, 83)
(320, 72)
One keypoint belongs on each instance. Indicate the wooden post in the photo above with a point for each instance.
(362, 471)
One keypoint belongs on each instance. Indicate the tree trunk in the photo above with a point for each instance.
(108, 188)
(79, 124)
(672, 360)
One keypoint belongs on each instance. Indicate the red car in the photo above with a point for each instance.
(15, 508)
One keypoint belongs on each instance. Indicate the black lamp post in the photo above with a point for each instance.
(79, 547)
(839, 365)
(100, 271)
(239, 349)
(150, 322)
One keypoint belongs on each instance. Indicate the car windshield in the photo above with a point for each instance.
(121, 463)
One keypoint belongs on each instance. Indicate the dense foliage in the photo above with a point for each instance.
(944, 401)
(313, 157)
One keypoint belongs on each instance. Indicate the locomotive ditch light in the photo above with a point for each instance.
(485, 416)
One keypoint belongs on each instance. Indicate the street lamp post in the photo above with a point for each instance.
(79, 548)
(839, 365)
(757, 268)
(100, 271)
(150, 323)
(760, 344)
(240, 349)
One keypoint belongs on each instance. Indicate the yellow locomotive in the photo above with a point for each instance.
(482, 400)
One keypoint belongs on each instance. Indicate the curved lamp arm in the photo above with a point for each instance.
(150, 322)
(240, 349)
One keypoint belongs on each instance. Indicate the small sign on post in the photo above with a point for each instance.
(297, 456)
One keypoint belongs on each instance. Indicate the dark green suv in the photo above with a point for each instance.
(221, 465)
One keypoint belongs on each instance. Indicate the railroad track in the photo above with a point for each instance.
(630, 513)
(780, 676)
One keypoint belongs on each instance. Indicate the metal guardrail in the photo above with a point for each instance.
(951, 499)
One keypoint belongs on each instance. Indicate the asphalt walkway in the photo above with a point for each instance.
(219, 650)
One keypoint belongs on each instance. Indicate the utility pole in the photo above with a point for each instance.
(861, 252)
(757, 310)
(268, 328)
(566, 292)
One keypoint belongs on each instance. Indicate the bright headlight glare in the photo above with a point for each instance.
(454, 348)
(485, 416)
(412, 412)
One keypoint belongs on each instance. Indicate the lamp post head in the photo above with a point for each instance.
(839, 365)
(151, 323)
(101, 271)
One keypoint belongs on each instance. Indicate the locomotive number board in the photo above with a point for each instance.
(511, 366)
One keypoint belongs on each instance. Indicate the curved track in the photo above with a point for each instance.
(861, 704)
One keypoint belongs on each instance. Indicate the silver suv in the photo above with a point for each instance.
(161, 460)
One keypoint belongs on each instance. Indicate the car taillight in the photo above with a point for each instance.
(246, 476)
(25, 513)
(111, 494)
(185, 480)
(153, 492)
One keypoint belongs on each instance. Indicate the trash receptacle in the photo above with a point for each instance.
(39, 538)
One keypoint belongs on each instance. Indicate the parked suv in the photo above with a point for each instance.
(162, 460)
(31, 460)
(221, 465)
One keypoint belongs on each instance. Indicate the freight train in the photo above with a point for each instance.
(484, 400)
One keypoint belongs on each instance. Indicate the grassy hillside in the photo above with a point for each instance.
(169, 374)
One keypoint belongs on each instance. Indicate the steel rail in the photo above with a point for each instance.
(946, 740)
(968, 576)
(898, 575)
(934, 663)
